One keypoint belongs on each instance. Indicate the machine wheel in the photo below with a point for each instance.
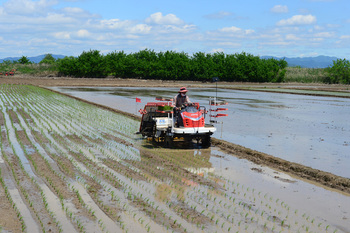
(154, 130)
(168, 141)
(188, 141)
(206, 141)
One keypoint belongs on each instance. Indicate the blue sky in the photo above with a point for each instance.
(282, 28)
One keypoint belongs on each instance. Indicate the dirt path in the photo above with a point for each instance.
(61, 81)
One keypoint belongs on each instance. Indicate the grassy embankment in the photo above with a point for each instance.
(305, 75)
(36, 70)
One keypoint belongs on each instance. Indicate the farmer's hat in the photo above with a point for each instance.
(183, 90)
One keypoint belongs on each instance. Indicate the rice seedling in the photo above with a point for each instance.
(86, 162)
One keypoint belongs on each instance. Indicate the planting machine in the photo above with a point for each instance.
(163, 123)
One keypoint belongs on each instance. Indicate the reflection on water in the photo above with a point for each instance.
(310, 130)
(220, 167)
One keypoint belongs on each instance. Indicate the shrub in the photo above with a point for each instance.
(339, 72)
(48, 59)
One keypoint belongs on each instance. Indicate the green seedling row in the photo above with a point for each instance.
(91, 172)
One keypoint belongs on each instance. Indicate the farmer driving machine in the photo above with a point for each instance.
(161, 122)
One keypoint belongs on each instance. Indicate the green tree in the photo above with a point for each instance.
(117, 64)
(68, 66)
(231, 68)
(48, 59)
(219, 64)
(91, 64)
(24, 60)
(146, 62)
(171, 65)
(202, 66)
(339, 72)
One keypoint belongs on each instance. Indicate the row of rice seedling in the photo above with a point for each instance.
(90, 156)
(11, 202)
(22, 174)
(89, 162)
(81, 225)
(71, 149)
(114, 174)
(46, 193)
(12, 195)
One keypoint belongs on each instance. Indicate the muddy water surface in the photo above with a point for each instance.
(107, 178)
(310, 130)
(304, 198)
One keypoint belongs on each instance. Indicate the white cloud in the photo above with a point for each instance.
(54, 18)
(61, 35)
(317, 27)
(230, 44)
(234, 30)
(275, 43)
(45, 26)
(230, 29)
(83, 33)
(217, 50)
(345, 37)
(115, 23)
(158, 18)
(28, 7)
(175, 29)
(225, 15)
(297, 20)
(324, 34)
(219, 15)
(292, 37)
(343, 41)
(140, 29)
(73, 10)
(168, 24)
(279, 9)
(230, 37)
(316, 39)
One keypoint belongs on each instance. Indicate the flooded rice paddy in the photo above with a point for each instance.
(69, 166)
(310, 130)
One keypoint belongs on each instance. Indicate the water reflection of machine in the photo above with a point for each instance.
(194, 161)
(162, 124)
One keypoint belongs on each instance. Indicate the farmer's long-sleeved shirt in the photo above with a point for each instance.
(179, 100)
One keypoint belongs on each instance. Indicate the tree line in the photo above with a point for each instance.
(170, 65)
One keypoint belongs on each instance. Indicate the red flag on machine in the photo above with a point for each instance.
(138, 100)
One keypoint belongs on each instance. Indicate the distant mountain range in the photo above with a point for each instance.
(36, 59)
(305, 62)
(308, 62)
